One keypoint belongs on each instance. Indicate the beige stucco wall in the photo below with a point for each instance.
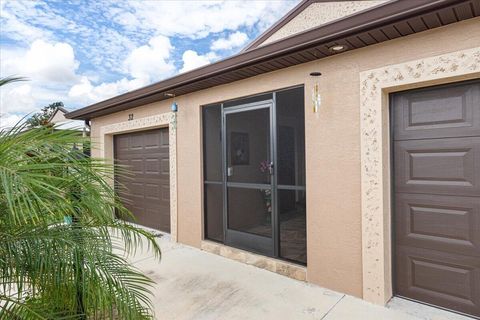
(334, 229)
(320, 13)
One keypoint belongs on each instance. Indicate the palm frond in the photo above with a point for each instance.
(10, 79)
(48, 267)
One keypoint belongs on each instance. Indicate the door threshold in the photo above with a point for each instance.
(426, 310)
(281, 267)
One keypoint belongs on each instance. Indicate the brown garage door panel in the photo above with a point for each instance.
(440, 166)
(447, 223)
(450, 280)
(452, 111)
(145, 187)
(153, 219)
(146, 166)
(436, 145)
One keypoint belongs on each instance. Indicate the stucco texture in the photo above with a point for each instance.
(320, 13)
(333, 160)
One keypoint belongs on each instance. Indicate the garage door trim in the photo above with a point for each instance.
(168, 119)
(374, 87)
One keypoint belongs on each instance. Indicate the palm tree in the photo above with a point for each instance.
(63, 254)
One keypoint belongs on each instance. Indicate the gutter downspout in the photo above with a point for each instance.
(85, 134)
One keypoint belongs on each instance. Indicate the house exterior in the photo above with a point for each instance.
(364, 179)
(59, 120)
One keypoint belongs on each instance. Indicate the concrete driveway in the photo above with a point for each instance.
(193, 284)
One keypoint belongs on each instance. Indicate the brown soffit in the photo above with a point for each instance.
(380, 23)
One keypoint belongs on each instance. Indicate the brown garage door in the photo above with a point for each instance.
(437, 196)
(145, 189)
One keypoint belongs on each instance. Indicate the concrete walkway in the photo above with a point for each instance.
(193, 284)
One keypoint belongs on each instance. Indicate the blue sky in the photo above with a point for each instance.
(81, 52)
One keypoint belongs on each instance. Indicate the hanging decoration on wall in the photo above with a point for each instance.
(316, 98)
(174, 108)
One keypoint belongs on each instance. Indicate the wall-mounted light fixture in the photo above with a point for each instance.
(315, 84)
(174, 106)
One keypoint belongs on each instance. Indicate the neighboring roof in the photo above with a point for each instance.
(63, 110)
(380, 23)
(301, 7)
(61, 122)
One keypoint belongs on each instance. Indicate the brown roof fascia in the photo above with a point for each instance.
(366, 20)
(284, 20)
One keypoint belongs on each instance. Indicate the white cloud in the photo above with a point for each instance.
(144, 65)
(82, 91)
(51, 62)
(14, 27)
(192, 60)
(198, 19)
(16, 98)
(85, 92)
(28, 97)
(50, 69)
(151, 62)
(26, 21)
(105, 48)
(125, 18)
(8, 121)
(234, 40)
